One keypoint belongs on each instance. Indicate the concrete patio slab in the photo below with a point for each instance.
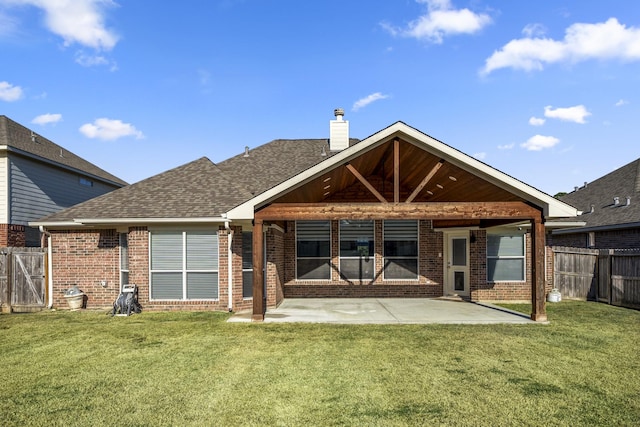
(386, 311)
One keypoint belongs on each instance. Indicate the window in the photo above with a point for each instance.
(400, 249)
(184, 265)
(505, 257)
(356, 250)
(124, 259)
(247, 264)
(86, 182)
(313, 250)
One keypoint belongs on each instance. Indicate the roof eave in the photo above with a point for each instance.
(598, 228)
(79, 222)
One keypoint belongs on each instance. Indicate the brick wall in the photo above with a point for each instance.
(86, 259)
(607, 239)
(12, 235)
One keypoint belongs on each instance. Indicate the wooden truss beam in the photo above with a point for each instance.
(435, 211)
(424, 181)
(366, 183)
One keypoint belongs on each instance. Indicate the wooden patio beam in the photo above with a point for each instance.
(258, 272)
(538, 308)
(366, 183)
(435, 211)
(424, 181)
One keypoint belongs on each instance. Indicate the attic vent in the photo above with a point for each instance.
(628, 200)
(33, 137)
(616, 201)
(246, 151)
(593, 208)
(61, 153)
(338, 131)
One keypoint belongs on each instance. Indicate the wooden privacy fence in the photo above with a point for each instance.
(22, 279)
(605, 275)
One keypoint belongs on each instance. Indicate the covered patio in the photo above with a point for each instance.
(387, 311)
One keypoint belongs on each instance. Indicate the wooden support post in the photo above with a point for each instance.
(538, 309)
(396, 171)
(258, 272)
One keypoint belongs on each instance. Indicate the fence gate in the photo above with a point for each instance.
(22, 279)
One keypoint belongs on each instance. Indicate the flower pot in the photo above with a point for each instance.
(74, 297)
(75, 301)
(554, 296)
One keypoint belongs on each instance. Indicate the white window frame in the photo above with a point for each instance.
(184, 271)
(123, 240)
(523, 257)
(248, 269)
(385, 257)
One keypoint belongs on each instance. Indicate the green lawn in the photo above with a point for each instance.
(86, 368)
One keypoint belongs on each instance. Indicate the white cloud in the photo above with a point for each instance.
(8, 24)
(9, 92)
(77, 21)
(540, 142)
(361, 103)
(108, 130)
(480, 156)
(506, 146)
(621, 102)
(534, 30)
(441, 20)
(536, 121)
(603, 41)
(574, 114)
(44, 119)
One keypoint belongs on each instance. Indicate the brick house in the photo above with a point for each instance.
(38, 178)
(610, 212)
(396, 214)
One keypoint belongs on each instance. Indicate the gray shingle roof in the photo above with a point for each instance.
(622, 183)
(202, 189)
(19, 139)
(195, 190)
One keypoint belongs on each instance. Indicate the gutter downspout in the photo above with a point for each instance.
(229, 266)
(49, 267)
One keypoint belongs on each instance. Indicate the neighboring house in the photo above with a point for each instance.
(396, 214)
(610, 208)
(38, 178)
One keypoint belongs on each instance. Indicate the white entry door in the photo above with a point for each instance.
(457, 264)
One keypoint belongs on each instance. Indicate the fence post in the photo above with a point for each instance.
(610, 275)
(6, 308)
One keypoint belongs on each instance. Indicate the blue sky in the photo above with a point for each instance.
(546, 91)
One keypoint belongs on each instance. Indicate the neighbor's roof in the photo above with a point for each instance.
(18, 139)
(621, 183)
(200, 190)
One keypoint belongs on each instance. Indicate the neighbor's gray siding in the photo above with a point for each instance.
(37, 190)
(4, 190)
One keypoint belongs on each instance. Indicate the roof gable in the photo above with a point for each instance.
(497, 185)
(18, 139)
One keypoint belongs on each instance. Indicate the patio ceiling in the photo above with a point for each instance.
(421, 177)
